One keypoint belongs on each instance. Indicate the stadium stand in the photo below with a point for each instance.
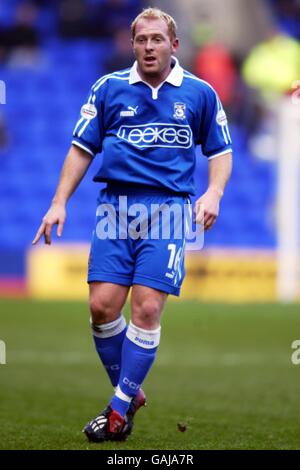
(43, 102)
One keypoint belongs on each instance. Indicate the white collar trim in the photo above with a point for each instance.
(175, 77)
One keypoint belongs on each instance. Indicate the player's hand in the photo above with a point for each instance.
(55, 215)
(207, 207)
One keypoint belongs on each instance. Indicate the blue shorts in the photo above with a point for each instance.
(139, 238)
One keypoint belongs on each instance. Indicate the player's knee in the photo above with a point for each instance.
(147, 314)
(102, 310)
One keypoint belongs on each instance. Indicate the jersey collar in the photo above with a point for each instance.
(175, 77)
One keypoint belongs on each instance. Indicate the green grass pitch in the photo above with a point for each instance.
(224, 371)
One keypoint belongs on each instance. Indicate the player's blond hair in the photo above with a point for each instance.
(156, 14)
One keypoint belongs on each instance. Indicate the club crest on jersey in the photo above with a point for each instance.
(88, 111)
(179, 111)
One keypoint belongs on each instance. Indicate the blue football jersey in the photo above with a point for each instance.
(149, 135)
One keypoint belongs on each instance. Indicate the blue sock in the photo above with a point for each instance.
(138, 353)
(108, 340)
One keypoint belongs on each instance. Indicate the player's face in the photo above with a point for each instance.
(153, 49)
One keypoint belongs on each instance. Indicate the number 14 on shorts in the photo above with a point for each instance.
(175, 259)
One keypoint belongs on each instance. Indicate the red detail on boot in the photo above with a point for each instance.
(116, 422)
(140, 399)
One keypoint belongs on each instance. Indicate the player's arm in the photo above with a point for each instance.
(207, 206)
(75, 166)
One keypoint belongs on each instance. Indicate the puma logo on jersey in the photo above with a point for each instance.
(131, 111)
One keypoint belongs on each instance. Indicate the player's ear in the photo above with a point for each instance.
(175, 45)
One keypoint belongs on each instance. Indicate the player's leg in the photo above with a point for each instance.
(140, 344)
(108, 324)
(111, 266)
(109, 276)
(146, 306)
(109, 329)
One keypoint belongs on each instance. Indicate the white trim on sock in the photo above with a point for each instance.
(147, 339)
(108, 330)
(122, 395)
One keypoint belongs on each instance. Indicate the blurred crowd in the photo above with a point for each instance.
(19, 37)
(248, 84)
(25, 24)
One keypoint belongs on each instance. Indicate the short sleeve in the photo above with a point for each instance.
(214, 132)
(88, 132)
